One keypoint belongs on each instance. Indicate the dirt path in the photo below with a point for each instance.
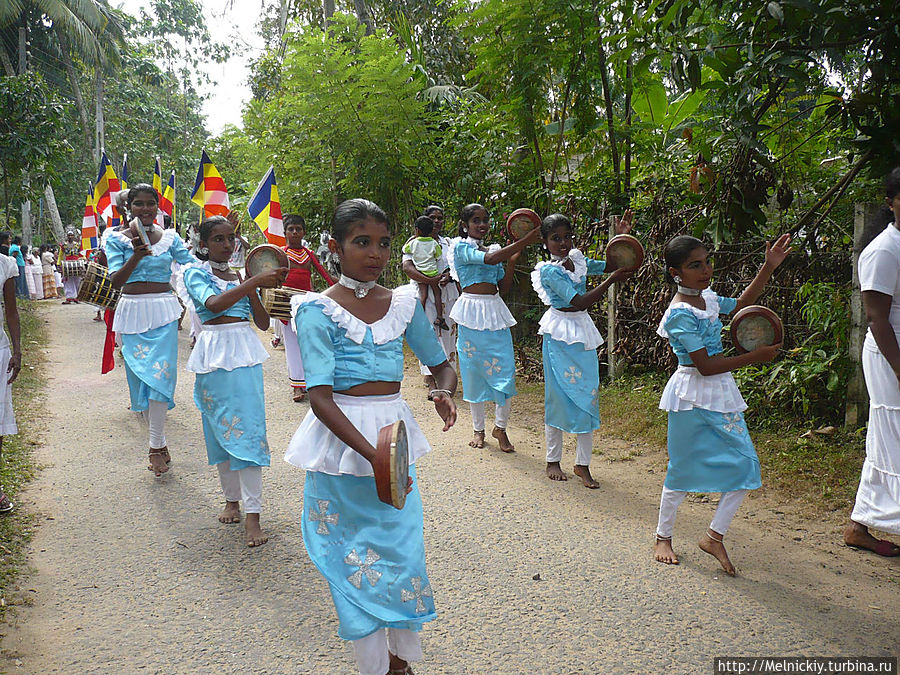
(134, 574)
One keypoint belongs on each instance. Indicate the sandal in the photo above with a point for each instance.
(6, 504)
(440, 323)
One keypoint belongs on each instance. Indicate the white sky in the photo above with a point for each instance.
(232, 22)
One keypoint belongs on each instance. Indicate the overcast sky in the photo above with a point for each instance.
(232, 22)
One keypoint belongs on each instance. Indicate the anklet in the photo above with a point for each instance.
(710, 533)
(659, 538)
(432, 393)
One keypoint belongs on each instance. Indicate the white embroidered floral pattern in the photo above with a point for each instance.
(733, 423)
(323, 518)
(468, 349)
(365, 567)
(141, 351)
(572, 375)
(207, 399)
(162, 370)
(231, 428)
(417, 593)
(492, 366)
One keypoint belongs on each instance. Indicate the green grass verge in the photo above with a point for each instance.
(17, 467)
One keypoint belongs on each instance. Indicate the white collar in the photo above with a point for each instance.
(711, 312)
(160, 247)
(389, 327)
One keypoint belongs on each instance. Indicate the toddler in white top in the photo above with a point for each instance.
(426, 253)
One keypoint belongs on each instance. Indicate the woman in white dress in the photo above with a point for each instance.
(878, 497)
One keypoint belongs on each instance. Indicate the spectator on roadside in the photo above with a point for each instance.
(15, 251)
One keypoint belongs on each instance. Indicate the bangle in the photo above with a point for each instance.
(433, 392)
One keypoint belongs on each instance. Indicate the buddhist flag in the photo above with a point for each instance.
(105, 189)
(265, 209)
(209, 189)
(157, 186)
(89, 228)
(167, 203)
(124, 179)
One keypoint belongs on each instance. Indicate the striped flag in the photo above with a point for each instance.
(157, 186)
(167, 203)
(89, 225)
(265, 209)
(106, 187)
(124, 179)
(209, 189)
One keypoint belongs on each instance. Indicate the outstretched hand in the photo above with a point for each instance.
(777, 252)
(270, 278)
(446, 408)
(621, 274)
(625, 222)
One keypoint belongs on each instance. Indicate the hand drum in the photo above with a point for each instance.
(520, 222)
(754, 327)
(263, 258)
(392, 485)
(625, 252)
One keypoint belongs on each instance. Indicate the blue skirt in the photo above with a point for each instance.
(151, 365)
(371, 554)
(487, 364)
(571, 383)
(232, 405)
(710, 452)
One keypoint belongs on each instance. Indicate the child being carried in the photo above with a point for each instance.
(426, 253)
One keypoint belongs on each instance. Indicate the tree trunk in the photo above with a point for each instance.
(56, 224)
(629, 75)
(7, 64)
(607, 100)
(76, 88)
(363, 16)
(327, 10)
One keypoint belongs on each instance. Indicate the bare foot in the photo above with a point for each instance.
(299, 395)
(663, 551)
(585, 474)
(429, 382)
(255, 536)
(503, 439)
(157, 459)
(555, 472)
(712, 544)
(231, 513)
(398, 666)
(477, 440)
(166, 456)
(858, 536)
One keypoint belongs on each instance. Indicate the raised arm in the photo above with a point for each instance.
(510, 250)
(775, 255)
(595, 295)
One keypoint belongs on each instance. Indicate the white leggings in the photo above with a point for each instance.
(156, 420)
(292, 354)
(372, 651)
(584, 443)
(501, 415)
(671, 499)
(242, 485)
(277, 328)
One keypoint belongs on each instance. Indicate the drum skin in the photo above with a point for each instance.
(755, 326)
(625, 252)
(520, 222)
(263, 258)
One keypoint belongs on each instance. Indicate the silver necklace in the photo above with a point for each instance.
(220, 266)
(688, 291)
(360, 288)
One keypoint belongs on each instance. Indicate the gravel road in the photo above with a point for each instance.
(133, 574)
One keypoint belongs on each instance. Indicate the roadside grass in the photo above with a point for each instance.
(17, 467)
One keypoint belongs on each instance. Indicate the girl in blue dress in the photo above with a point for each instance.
(147, 314)
(484, 347)
(227, 359)
(570, 340)
(709, 447)
(351, 340)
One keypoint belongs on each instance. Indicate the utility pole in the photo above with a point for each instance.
(99, 139)
(26, 181)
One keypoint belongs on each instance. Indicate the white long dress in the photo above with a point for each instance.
(878, 497)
